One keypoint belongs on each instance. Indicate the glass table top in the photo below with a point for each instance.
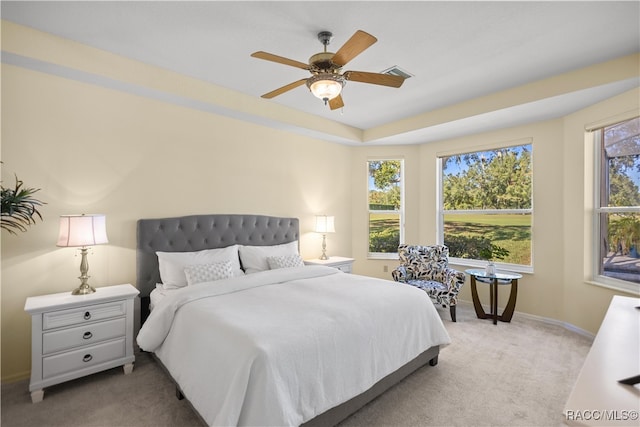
(500, 275)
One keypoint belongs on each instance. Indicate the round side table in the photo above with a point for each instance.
(500, 278)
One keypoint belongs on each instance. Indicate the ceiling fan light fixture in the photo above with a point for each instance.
(325, 86)
(327, 78)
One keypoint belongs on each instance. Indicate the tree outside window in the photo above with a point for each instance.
(618, 201)
(486, 205)
(385, 181)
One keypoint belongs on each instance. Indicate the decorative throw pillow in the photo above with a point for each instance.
(199, 273)
(172, 264)
(285, 261)
(254, 258)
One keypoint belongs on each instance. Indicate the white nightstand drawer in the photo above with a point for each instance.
(82, 358)
(78, 316)
(83, 335)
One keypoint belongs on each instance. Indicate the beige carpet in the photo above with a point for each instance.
(510, 374)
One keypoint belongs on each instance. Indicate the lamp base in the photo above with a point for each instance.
(324, 256)
(84, 287)
(83, 290)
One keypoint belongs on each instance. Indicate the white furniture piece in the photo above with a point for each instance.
(78, 335)
(598, 398)
(341, 263)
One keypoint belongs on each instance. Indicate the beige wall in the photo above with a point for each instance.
(548, 164)
(93, 149)
(585, 303)
(421, 216)
(558, 288)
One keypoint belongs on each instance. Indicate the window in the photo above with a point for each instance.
(485, 206)
(617, 213)
(386, 214)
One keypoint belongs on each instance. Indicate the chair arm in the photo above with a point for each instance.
(454, 280)
(401, 274)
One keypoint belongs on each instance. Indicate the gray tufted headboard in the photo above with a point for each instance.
(198, 232)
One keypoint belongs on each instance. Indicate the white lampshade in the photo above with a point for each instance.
(324, 224)
(82, 230)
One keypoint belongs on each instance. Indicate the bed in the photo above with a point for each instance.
(276, 342)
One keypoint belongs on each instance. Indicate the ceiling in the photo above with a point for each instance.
(456, 52)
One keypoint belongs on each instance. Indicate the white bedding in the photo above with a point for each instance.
(156, 295)
(280, 347)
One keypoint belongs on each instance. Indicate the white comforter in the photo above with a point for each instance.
(283, 346)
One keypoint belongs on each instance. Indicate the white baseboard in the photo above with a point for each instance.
(548, 320)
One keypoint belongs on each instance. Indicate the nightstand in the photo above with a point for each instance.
(77, 335)
(341, 263)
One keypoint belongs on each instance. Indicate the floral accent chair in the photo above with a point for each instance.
(427, 268)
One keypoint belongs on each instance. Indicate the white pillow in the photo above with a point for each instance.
(254, 258)
(199, 273)
(285, 261)
(172, 264)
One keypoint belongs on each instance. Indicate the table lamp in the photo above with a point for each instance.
(324, 225)
(82, 231)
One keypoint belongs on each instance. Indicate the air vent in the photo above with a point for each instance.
(397, 71)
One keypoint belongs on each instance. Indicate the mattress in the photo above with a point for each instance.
(282, 346)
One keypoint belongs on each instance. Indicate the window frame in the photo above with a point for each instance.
(441, 212)
(400, 212)
(598, 210)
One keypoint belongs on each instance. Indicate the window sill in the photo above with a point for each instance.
(374, 256)
(616, 285)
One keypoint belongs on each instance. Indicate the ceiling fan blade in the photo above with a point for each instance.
(336, 103)
(284, 89)
(353, 47)
(374, 78)
(280, 59)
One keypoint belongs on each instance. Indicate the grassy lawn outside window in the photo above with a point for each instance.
(486, 201)
(385, 204)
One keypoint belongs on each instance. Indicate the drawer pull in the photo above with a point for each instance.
(87, 335)
(87, 315)
(87, 358)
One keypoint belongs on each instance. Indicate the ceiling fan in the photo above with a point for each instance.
(327, 78)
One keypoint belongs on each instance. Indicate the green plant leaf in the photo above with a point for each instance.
(19, 207)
